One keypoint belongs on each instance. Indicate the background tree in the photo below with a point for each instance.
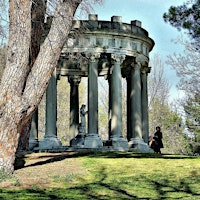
(63, 112)
(3, 34)
(158, 83)
(186, 17)
(161, 113)
(187, 69)
(3, 21)
(104, 109)
(23, 84)
(186, 65)
(192, 110)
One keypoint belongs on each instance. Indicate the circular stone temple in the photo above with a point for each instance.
(115, 50)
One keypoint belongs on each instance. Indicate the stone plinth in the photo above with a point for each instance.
(78, 141)
(33, 143)
(93, 141)
(138, 145)
(49, 143)
(119, 144)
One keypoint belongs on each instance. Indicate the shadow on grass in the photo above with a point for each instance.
(105, 188)
(54, 157)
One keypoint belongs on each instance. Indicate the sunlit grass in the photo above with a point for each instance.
(119, 176)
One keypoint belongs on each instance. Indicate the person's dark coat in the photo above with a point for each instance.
(158, 139)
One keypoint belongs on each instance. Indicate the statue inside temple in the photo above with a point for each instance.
(82, 125)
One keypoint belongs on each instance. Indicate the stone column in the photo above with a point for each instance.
(137, 143)
(118, 142)
(109, 107)
(145, 116)
(33, 140)
(92, 140)
(128, 80)
(74, 104)
(50, 139)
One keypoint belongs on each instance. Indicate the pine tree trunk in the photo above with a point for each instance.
(23, 85)
(38, 11)
(8, 141)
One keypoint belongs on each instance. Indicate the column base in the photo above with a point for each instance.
(78, 141)
(138, 145)
(93, 141)
(49, 143)
(33, 143)
(119, 144)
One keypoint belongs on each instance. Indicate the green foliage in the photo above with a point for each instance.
(192, 110)
(112, 175)
(171, 125)
(186, 16)
(103, 108)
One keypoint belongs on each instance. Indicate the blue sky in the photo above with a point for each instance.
(150, 13)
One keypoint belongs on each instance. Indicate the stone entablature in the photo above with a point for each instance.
(106, 38)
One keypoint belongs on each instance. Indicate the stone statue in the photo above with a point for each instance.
(83, 120)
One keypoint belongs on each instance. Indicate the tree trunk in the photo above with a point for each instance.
(22, 87)
(38, 11)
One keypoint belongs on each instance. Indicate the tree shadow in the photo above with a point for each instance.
(55, 157)
(112, 189)
(138, 155)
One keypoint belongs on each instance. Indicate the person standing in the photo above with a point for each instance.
(158, 140)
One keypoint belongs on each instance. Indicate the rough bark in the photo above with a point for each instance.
(22, 87)
(38, 10)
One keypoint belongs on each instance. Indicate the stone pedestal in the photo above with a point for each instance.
(49, 143)
(119, 144)
(78, 141)
(138, 145)
(93, 141)
(33, 140)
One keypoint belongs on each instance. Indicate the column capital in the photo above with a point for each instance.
(119, 58)
(74, 80)
(93, 57)
(145, 70)
(141, 60)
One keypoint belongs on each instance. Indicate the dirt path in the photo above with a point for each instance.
(42, 168)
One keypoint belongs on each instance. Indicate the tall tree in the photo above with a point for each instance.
(3, 20)
(158, 89)
(186, 65)
(161, 113)
(23, 85)
(186, 17)
(158, 83)
(187, 69)
(38, 11)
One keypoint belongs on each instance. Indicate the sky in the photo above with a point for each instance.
(150, 13)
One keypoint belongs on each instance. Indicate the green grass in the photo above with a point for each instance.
(116, 176)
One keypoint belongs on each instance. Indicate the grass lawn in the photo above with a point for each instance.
(104, 175)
